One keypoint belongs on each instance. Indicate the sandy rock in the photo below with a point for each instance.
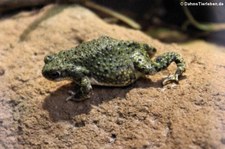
(34, 113)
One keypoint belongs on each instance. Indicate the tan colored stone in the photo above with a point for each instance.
(143, 115)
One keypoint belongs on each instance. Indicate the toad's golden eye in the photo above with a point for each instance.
(55, 74)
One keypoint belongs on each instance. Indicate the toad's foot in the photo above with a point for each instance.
(171, 78)
(77, 96)
(72, 95)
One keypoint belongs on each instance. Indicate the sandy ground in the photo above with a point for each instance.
(34, 113)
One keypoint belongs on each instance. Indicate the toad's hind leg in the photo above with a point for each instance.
(162, 62)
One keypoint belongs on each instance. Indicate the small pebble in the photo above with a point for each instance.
(2, 71)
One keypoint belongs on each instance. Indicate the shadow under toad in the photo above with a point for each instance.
(61, 110)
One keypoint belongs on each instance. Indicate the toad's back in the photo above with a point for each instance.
(108, 60)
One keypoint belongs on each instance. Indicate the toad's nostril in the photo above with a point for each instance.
(44, 73)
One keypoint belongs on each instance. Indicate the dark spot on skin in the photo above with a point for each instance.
(67, 54)
(106, 71)
(85, 62)
(133, 49)
(98, 63)
(98, 54)
(110, 60)
(131, 44)
(158, 59)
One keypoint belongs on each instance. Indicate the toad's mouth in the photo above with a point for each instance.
(62, 79)
(59, 79)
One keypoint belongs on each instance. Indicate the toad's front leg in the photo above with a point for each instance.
(163, 61)
(83, 92)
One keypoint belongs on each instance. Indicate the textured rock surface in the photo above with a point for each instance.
(34, 114)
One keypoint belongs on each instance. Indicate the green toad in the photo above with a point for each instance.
(108, 62)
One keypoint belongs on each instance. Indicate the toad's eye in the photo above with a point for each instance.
(48, 59)
(55, 74)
